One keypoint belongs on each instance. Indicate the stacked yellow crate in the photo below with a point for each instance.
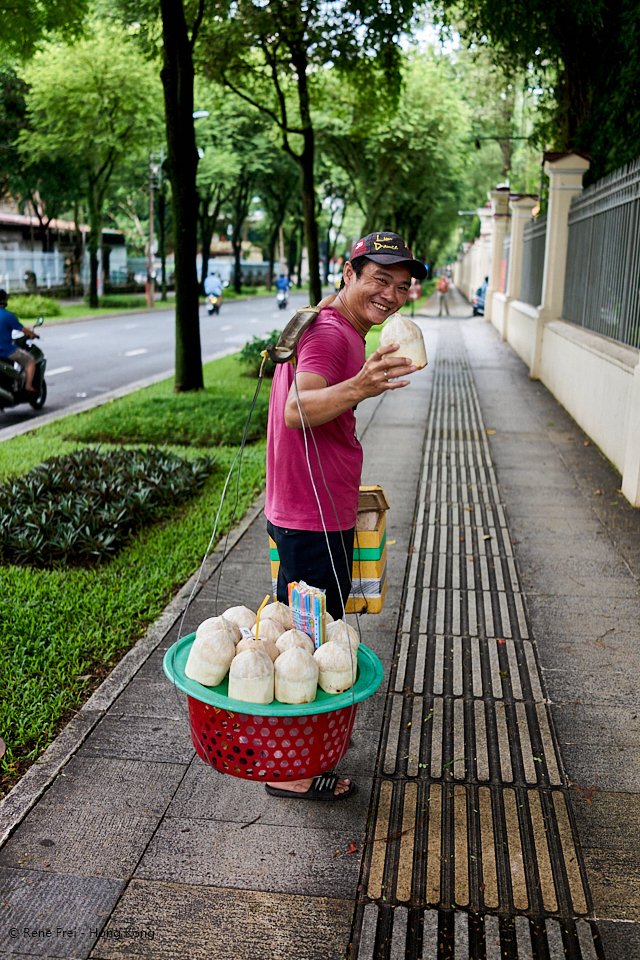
(369, 583)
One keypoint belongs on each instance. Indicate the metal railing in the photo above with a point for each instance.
(535, 238)
(602, 285)
(48, 268)
(504, 265)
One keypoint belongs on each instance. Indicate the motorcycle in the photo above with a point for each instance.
(214, 302)
(282, 297)
(12, 376)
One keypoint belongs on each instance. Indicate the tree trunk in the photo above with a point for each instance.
(93, 277)
(95, 237)
(300, 251)
(208, 223)
(177, 79)
(272, 247)
(310, 222)
(237, 270)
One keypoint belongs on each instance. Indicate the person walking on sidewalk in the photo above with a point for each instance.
(314, 459)
(442, 287)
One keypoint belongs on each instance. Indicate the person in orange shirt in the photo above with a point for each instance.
(442, 287)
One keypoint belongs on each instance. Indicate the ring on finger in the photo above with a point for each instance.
(386, 374)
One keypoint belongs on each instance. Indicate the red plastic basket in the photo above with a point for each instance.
(274, 741)
(258, 747)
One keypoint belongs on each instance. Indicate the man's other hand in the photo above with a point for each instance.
(381, 371)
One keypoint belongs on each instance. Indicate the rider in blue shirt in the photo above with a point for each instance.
(213, 285)
(8, 350)
(283, 283)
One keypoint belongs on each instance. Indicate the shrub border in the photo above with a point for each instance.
(43, 771)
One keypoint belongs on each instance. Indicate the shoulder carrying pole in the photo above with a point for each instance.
(285, 349)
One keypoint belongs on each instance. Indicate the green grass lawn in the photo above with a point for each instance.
(63, 629)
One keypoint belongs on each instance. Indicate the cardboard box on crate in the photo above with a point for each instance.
(369, 584)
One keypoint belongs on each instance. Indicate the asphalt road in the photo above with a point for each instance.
(97, 356)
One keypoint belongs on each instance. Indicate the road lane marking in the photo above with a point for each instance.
(53, 373)
(78, 336)
(135, 353)
(222, 329)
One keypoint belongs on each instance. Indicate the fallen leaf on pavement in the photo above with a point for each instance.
(352, 848)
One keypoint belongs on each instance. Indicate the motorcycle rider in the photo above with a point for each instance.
(283, 283)
(213, 285)
(8, 351)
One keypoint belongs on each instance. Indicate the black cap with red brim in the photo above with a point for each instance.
(388, 248)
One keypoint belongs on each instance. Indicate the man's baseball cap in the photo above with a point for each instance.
(388, 248)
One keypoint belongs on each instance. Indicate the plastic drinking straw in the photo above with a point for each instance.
(260, 609)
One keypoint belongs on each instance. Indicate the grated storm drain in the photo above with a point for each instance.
(471, 850)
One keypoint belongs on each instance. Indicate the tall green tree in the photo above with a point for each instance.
(407, 172)
(93, 103)
(585, 54)
(43, 187)
(25, 23)
(272, 54)
(171, 31)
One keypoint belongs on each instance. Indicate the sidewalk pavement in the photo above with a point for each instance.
(137, 849)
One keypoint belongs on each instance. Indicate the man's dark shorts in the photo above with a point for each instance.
(304, 556)
(23, 357)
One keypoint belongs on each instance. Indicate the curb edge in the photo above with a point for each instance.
(20, 800)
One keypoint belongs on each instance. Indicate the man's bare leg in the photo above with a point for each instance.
(301, 786)
(29, 372)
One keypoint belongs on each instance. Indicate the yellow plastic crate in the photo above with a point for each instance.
(369, 572)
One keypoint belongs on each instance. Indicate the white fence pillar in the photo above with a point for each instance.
(565, 172)
(631, 470)
(521, 206)
(500, 215)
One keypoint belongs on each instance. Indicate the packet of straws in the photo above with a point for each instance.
(308, 610)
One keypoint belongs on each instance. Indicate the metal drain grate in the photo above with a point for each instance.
(471, 851)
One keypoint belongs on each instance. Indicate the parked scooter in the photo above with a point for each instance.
(213, 303)
(12, 376)
(282, 297)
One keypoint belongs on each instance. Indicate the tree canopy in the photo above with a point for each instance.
(584, 53)
(270, 54)
(91, 103)
(25, 23)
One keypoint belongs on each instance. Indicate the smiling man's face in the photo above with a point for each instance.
(379, 291)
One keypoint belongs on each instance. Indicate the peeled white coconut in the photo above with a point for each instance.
(236, 632)
(408, 335)
(269, 647)
(296, 676)
(279, 612)
(328, 618)
(341, 632)
(241, 616)
(269, 629)
(295, 638)
(211, 652)
(337, 667)
(251, 677)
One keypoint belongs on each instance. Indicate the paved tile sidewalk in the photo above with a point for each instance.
(137, 831)
(139, 850)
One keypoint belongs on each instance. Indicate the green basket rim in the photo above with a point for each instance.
(370, 676)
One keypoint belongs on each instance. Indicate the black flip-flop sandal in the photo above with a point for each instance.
(321, 789)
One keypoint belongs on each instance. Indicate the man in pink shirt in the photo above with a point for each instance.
(313, 475)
